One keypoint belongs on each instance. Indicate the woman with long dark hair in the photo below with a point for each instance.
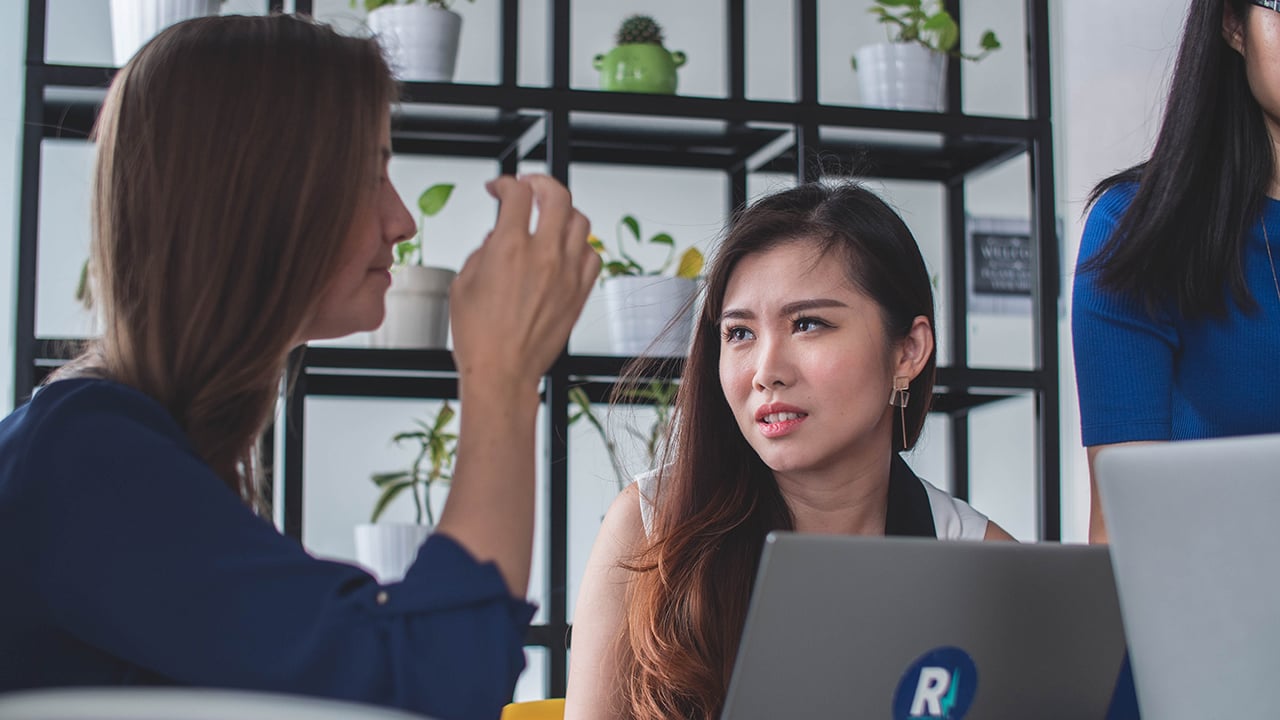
(812, 367)
(242, 208)
(1176, 309)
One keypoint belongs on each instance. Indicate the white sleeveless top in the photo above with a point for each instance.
(953, 519)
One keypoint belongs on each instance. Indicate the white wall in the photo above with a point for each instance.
(13, 43)
(1110, 65)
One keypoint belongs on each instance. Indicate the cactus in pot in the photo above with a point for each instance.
(640, 63)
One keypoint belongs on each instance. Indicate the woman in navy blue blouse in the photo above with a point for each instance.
(241, 208)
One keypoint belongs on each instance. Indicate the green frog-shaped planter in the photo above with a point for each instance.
(639, 68)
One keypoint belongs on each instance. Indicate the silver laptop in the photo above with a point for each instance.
(1196, 550)
(897, 628)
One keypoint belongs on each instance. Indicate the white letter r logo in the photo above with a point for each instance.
(934, 682)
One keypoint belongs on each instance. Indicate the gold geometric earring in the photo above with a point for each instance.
(898, 398)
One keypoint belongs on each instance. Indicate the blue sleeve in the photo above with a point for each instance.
(149, 556)
(1123, 355)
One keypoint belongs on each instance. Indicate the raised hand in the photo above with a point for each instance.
(517, 297)
(512, 305)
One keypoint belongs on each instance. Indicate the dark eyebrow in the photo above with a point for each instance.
(801, 305)
(798, 306)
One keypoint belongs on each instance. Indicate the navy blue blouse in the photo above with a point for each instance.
(126, 560)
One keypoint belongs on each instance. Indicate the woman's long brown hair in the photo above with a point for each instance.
(715, 499)
(233, 155)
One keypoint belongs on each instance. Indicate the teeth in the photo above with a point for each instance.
(781, 417)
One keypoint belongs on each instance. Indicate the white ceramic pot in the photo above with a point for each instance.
(417, 309)
(640, 308)
(421, 40)
(134, 22)
(388, 549)
(901, 76)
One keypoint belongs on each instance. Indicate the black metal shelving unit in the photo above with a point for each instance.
(562, 126)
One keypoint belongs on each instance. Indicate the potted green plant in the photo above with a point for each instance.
(908, 72)
(644, 302)
(420, 36)
(659, 394)
(387, 549)
(639, 62)
(418, 301)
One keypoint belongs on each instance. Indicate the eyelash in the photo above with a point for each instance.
(734, 334)
(795, 324)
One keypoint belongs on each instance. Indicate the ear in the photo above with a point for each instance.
(914, 350)
(1232, 28)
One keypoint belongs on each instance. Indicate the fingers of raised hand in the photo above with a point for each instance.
(586, 259)
(555, 208)
(515, 205)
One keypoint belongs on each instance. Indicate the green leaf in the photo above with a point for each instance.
(596, 243)
(433, 199)
(82, 287)
(945, 28)
(616, 267)
(662, 239)
(899, 3)
(989, 41)
(389, 494)
(443, 417)
(691, 263)
(633, 225)
(401, 437)
(386, 478)
(404, 250)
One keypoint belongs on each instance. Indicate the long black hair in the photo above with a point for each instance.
(1181, 240)
(688, 600)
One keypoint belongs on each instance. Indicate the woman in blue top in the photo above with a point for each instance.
(241, 208)
(1176, 313)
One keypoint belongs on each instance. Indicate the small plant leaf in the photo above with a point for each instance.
(401, 437)
(596, 243)
(616, 267)
(386, 478)
(404, 250)
(633, 225)
(433, 199)
(389, 493)
(662, 239)
(442, 418)
(989, 41)
(899, 3)
(944, 27)
(691, 263)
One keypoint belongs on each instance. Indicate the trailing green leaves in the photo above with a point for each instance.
(624, 263)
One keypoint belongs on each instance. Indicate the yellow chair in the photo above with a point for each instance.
(552, 709)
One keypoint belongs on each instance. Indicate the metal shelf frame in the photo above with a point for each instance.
(563, 126)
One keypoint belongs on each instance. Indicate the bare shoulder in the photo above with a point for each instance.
(623, 527)
(995, 532)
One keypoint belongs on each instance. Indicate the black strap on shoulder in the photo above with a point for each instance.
(909, 514)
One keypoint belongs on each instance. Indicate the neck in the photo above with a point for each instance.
(851, 499)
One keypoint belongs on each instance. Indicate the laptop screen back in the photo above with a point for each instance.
(1196, 552)
(848, 627)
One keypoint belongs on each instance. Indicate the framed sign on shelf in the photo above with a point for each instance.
(1000, 267)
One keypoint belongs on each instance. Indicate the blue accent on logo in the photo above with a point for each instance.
(939, 685)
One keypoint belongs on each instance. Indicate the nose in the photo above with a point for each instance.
(397, 223)
(774, 368)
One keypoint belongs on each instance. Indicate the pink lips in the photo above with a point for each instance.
(779, 419)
